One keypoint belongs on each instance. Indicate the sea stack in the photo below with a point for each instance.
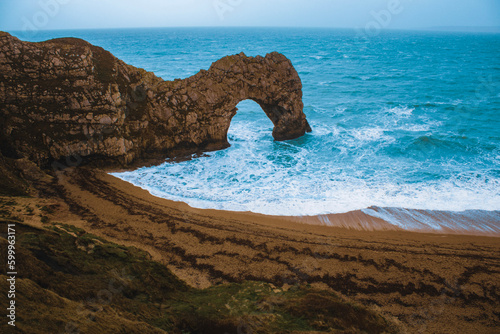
(68, 98)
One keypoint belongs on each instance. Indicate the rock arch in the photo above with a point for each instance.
(209, 98)
(66, 97)
(271, 81)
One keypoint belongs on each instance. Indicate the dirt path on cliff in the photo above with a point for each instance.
(433, 283)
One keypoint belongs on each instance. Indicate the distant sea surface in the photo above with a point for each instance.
(403, 120)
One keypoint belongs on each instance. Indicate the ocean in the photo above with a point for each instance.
(404, 119)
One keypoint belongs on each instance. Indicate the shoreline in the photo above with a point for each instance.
(467, 222)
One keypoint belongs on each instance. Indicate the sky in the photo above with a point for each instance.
(18, 15)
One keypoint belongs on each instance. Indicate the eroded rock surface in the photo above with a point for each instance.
(66, 97)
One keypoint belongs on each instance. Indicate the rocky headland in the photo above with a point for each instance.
(67, 98)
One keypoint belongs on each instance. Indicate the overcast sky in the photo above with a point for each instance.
(392, 14)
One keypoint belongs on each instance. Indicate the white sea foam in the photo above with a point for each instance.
(368, 134)
(417, 127)
(233, 184)
(335, 170)
(401, 111)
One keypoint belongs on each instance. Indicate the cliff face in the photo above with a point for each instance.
(66, 97)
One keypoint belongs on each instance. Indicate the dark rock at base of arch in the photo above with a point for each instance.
(66, 97)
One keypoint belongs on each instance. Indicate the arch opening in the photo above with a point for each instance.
(249, 123)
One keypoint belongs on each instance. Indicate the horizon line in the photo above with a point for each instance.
(491, 29)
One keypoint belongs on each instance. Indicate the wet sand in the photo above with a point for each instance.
(471, 222)
(431, 282)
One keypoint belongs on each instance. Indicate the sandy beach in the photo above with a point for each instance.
(432, 283)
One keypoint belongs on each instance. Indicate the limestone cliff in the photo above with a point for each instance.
(66, 97)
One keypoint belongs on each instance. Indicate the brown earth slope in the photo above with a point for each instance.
(74, 282)
(432, 283)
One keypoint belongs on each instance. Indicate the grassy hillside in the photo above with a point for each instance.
(70, 281)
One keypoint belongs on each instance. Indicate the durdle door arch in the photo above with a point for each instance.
(66, 97)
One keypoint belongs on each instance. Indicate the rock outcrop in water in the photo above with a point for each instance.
(66, 97)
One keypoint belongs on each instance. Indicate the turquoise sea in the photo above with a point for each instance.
(404, 119)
